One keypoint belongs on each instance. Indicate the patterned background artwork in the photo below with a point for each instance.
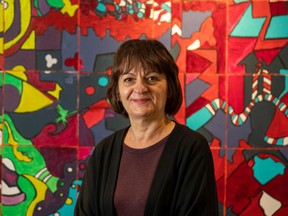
(55, 62)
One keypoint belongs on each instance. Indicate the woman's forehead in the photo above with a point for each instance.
(140, 70)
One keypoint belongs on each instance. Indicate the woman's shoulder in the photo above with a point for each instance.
(187, 133)
(188, 140)
(111, 140)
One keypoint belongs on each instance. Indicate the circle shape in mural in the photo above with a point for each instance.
(103, 81)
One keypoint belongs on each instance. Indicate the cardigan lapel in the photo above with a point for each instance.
(162, 171)
(115, 156)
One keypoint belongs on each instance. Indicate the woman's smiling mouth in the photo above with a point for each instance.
(140, 101)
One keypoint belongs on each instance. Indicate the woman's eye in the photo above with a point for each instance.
(128, 80)
(152, 78)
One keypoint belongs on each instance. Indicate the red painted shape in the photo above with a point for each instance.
(95, 113)
(236, 93)
(267, 55)
(278, 8)
(278, 126)
(196, 105)
(75, 62)
(90, 90)
(196, 63)
(66, 137)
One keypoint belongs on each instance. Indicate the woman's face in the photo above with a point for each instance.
(143, 94)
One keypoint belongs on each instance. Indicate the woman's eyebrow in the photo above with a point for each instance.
(127, 72)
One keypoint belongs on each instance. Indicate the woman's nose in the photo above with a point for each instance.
(140, 87)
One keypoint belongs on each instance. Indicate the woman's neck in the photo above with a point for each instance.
(142, 134)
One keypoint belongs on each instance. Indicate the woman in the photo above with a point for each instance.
(155, 166)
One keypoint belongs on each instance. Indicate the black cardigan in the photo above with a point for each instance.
(184, 182)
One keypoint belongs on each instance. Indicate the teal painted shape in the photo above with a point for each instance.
(285, 72)
(240, 1)
(166, 7)
(266, 169)
(68, 209)
(248, 26)
(280, 142)
(278, 27)
(103, 81)
(198, 119)
(101, 7)
(215, 105)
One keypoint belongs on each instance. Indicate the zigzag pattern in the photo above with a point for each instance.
(239, 119)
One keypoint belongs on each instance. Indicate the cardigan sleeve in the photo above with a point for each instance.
(196, 185)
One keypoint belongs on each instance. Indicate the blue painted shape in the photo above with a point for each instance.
(198, 119)
(96, 46)
(194, 90)
(266, 169)
(248, 26)
(278, 27)
(195, 17)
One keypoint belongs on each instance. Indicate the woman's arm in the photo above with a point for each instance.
(197, 194)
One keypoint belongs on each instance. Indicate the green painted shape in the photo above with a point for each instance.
(56, 3)
(16, 135)
(21, 208)
(14, 81)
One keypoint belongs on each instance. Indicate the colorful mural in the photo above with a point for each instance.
(55, 62)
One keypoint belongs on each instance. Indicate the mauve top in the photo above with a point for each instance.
(136, 171)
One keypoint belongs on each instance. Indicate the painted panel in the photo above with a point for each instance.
(55, 64)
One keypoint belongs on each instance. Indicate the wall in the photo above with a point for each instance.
(55, 63)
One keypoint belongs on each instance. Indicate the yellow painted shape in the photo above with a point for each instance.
(68, 201)
(1, 17)
(14, 143)
(30, 42)
(32, 99)
(11, 139)
(20, 156)
(1, 45)
(1, 28)
(8, 14)
(69, 8)
(56, 92)
(25, 18)
(18, 71)
(40, 189)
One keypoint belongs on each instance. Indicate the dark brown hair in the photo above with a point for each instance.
(149, 55)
